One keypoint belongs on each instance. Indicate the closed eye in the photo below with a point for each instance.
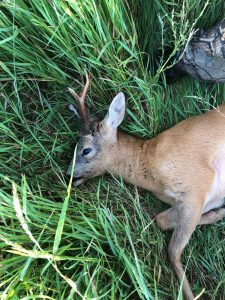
(86, 151)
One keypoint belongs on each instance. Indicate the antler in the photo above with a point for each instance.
(81, 100)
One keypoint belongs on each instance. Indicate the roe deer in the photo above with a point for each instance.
(183, 166)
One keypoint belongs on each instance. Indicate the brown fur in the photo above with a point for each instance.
(178, 160)
(177, 166)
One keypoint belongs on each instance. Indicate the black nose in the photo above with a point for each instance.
(68, 177)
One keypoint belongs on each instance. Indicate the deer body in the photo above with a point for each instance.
(183, 166)
(170, 165)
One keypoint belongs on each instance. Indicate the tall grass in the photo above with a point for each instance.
(99, 241)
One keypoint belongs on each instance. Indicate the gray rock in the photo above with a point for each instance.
(203, 57)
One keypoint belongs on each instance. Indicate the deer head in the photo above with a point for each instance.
(98, 139)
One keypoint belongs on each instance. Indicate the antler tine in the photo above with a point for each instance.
(81, 100)
(83, 95)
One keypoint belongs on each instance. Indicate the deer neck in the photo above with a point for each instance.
(133, 160)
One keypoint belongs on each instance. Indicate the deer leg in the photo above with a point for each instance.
(212, 216)
(168, 219)
(189, 214)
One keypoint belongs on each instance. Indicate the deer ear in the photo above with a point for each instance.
(116, 112)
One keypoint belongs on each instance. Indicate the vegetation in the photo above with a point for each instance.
(98, 241)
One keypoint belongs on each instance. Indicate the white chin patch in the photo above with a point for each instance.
(78, 181)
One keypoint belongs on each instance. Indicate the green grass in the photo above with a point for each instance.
(97, 241)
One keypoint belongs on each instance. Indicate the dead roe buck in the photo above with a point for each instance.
(183, 166)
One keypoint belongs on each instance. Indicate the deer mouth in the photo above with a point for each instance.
(78, 180)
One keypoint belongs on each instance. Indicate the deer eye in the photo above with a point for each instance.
(86, 151)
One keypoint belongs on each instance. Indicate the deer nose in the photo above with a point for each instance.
(68, 176)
